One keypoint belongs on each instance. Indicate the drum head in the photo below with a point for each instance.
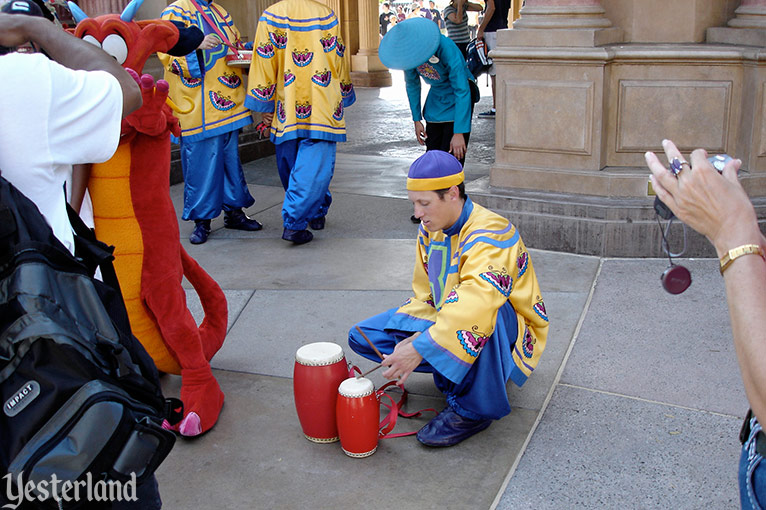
(319, 353)
(356, 388)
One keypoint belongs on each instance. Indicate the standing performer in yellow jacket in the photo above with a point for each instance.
(477, 318)
(300, 71)
(213, 176)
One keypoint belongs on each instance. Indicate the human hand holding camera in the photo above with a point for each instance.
(713, 204)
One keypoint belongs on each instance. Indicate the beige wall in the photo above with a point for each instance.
(673, 21)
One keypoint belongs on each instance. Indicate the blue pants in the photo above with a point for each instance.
(305, 167)
(213, 177)
(752, 473)
(482, 393)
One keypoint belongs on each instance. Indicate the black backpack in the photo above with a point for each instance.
(81, 397)
(477, 57)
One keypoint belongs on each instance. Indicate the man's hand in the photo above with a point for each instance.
(267, 117)
(420, 133)
(403, 361)
(209, 42)
(457, 145)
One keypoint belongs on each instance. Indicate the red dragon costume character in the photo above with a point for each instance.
(133, 211)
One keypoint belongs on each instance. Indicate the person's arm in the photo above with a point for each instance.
(69, 51)
(456, 16)
(80, 176)
(412, 86)
(470, 6)
(718, 207)
(490, 10)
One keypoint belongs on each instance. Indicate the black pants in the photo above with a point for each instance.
(439, 135)
(463, 47)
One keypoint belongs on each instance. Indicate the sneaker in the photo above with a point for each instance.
(317, 223)
(201, 231)
(238, 220)
(297, 236)
(489, 114)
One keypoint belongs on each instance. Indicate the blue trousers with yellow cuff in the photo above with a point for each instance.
(306, 167)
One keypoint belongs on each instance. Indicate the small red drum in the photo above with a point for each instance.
(358, 417)
(241, 60)
(319, 369)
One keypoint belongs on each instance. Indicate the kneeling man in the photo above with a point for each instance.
(477, 317)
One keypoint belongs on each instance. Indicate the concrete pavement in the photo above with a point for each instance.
(636, 402)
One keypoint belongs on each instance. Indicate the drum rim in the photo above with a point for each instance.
(335, 358)
(359, 455)
(356, 395)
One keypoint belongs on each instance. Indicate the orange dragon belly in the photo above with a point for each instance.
(116, 224)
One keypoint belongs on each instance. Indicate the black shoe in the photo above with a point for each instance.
(449, 428)
(201, 231)
(317, 223)
(297, 236)
(413, 219)
(238, 220)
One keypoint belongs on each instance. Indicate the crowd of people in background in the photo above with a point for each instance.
(392, 13)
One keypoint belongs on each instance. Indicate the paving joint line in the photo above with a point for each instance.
(553, 387)
(649, 401)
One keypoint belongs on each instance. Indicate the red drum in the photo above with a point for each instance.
(243, 60)
(319, 369)
(358, 417)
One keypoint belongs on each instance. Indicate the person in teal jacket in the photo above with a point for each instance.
(417, 47)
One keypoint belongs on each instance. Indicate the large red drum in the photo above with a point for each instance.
(358, 412)
(319, 369)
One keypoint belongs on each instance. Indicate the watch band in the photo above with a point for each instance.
(735, 253)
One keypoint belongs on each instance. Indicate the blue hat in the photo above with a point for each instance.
(434, 170)
(409, 43)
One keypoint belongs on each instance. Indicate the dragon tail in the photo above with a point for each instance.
(212, 331)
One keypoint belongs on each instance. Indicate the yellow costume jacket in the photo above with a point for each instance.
(300, 71)
(203, 78)
(463, 276)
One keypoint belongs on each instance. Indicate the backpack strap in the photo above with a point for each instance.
(92, 252)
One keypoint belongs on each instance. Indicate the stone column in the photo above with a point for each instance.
(551, 77)
(576, 23)
(750, 14)
(366, 68)
(747, 27)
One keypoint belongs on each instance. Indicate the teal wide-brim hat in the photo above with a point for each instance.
(409, 43)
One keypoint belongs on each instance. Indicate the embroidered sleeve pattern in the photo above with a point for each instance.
(262, 80)
(527, 300)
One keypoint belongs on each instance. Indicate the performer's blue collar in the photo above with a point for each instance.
(464, 214)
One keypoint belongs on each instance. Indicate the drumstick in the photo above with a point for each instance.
(368, 372)
(369, 342)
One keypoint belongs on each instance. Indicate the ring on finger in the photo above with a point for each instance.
(677, 164)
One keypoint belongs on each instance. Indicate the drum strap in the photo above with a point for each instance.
(394, 411)
(224, 39)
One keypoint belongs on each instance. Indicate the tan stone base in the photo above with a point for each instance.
(592, 225)
(371, 79)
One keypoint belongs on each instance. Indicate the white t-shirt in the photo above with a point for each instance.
(52, 117)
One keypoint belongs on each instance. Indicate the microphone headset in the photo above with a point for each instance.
(676, 278)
